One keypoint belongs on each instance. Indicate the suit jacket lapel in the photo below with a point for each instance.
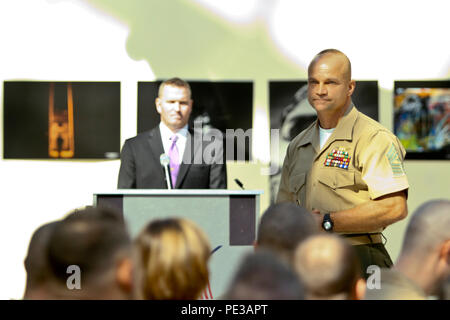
(157, 149)
(188, 157)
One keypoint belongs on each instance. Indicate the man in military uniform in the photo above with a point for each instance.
(345, 168)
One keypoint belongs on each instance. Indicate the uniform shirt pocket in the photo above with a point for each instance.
(296, 187)
(336, 178)
(296, 182)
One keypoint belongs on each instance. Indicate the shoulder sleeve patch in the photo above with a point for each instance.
(395, 162)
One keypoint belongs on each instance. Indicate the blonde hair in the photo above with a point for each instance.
(174, 256)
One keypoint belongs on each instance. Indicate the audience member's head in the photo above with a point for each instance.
(425, 254)
(36, 265)
(173, 256)
(96, 244)
(329, 269)
(263, 276)
(444, 290)
(282, 227)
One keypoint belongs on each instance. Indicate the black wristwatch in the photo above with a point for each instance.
(327, 223)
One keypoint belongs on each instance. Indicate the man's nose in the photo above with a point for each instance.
(176, 106)
(321, 89)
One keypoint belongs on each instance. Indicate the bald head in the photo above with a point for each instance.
(328, 266)
(335, 56)
(428, 228)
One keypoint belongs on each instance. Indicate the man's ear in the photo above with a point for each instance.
(360, 289)
(124, 274)
(351, 87)
(158, 105)
(444, 253)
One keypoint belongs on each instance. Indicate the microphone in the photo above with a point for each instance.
(165, 161)
(239, 183)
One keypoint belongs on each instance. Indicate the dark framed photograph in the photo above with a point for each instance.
(61, 120)
(291, 113)
(216, 105)
(422, 118)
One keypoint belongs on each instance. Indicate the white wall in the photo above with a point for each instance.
(79, 40)
(57, 40)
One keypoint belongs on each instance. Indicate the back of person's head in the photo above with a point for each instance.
(173, 256)
(444, 289)
(36, 265)
(99, 245)
(428, 229)
(282, 227)
(425, 254)
(329, 268)
(263, 276)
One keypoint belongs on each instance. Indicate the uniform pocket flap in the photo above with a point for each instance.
(337, 178)
(296, 182)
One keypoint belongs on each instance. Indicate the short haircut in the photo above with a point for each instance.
(328, 267)
(174, 256)
(428, 227)
(444, 289)
(90, 239)
(174, 82)
(35, 263)
(283, 226)
(262, 276)
(332, 52)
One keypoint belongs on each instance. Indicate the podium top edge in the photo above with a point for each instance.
(165, 192)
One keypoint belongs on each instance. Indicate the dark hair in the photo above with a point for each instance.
(35, 263)
(90, 238)
(283, 226)
(262, 276)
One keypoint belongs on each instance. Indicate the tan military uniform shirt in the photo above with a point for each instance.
(360, 161)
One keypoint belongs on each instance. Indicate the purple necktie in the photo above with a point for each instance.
(174, 162)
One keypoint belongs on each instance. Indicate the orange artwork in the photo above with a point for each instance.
(60, 126)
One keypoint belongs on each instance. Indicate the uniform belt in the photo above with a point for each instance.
(363, 238)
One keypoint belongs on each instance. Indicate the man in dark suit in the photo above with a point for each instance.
(190, 166)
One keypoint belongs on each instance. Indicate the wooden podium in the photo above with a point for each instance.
(228, 217)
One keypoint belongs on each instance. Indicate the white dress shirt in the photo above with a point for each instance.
(166, 135)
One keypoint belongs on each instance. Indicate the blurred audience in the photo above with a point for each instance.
(282, 227)
(262, 276)
(92, 241)
(329, 269)
(174, 256)
(444, 290)
(36, 266)
(169, 259)
(424, 260)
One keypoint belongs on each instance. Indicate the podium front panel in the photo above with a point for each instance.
(229, 221)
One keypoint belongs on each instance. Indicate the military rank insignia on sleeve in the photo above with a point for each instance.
(338, 158)
(395, 162)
